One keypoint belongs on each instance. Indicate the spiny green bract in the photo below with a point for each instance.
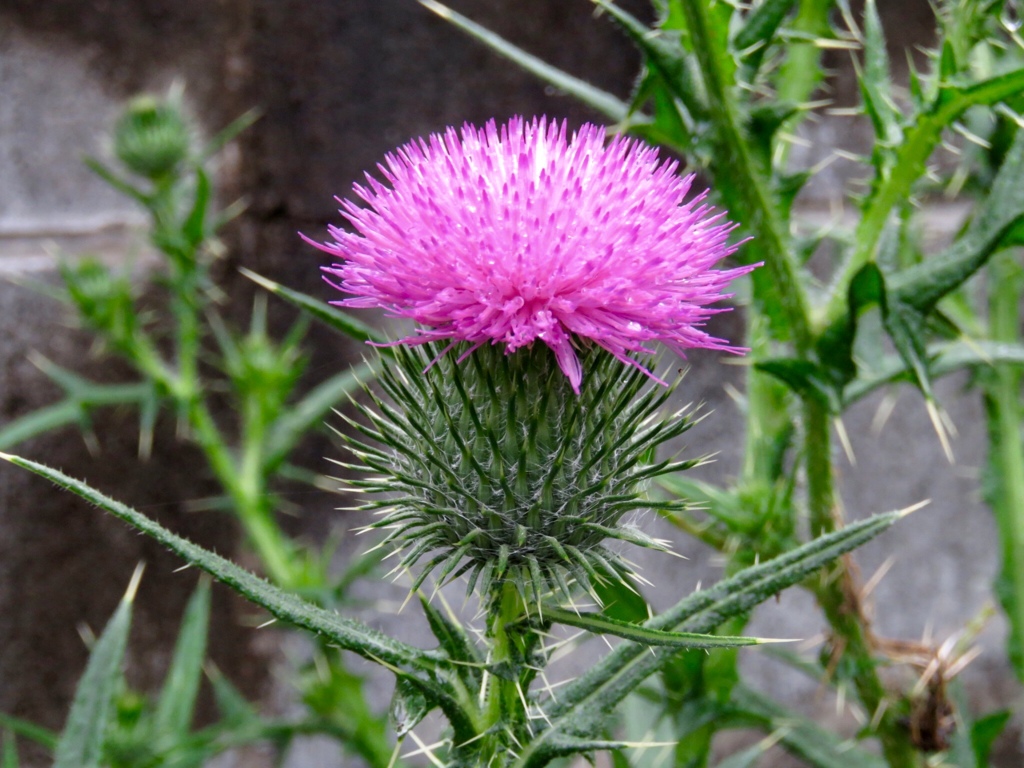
(495, 468)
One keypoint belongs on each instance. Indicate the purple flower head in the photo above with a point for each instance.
(520, 233)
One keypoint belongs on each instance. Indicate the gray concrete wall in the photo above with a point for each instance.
(339, 84)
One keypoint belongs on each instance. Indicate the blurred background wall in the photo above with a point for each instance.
(339, 83)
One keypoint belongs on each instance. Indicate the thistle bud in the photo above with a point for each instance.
(497, 469)
(151, 138)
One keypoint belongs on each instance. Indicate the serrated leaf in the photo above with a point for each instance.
(456, 644)
(786, 187)
(81, 741)
(944, 359)
(666, 55)
(948, 67)
(763, 123)
(403, 660)
(408, 707)
(835, 346)
(583, 705)
(590, 95)
(808, 380)
(906, 329)
(176, 704)
(618, 600)
(638, 633)
(890, 193)
(670, 125)
(758, 29)
(876, 80)
(922, 285)
(325, 313)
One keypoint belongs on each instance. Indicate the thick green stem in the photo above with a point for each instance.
(505, 715)
(818, 458)
(502, 696)
(1007, 459)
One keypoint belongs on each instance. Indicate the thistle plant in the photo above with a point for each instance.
(521, 433)
(546, 263)
(517, 431)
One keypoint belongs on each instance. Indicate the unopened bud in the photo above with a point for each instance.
(151, 138)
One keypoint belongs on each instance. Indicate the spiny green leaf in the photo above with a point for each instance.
(921, 286)
(892, 192)
(81, 741)
(406, 661)
(667, 56)
(875, 81)
(602, 101)
(177, 701)
(906, 328)
(408, 707)
(763, 123)
(638, 633)
(806, 379)
(944, 358)
(758, 30)
(619, 600)
(948, 67)
(456, 645)
(325, 313)
(582, 706)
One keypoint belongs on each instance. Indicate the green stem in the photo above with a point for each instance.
(1005, 418)
(502, 697)
(837, 595)
(249, 496)
(505, 717)
(740, 171)
(818, 457)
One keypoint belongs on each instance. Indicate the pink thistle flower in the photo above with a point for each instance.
(521, 233)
